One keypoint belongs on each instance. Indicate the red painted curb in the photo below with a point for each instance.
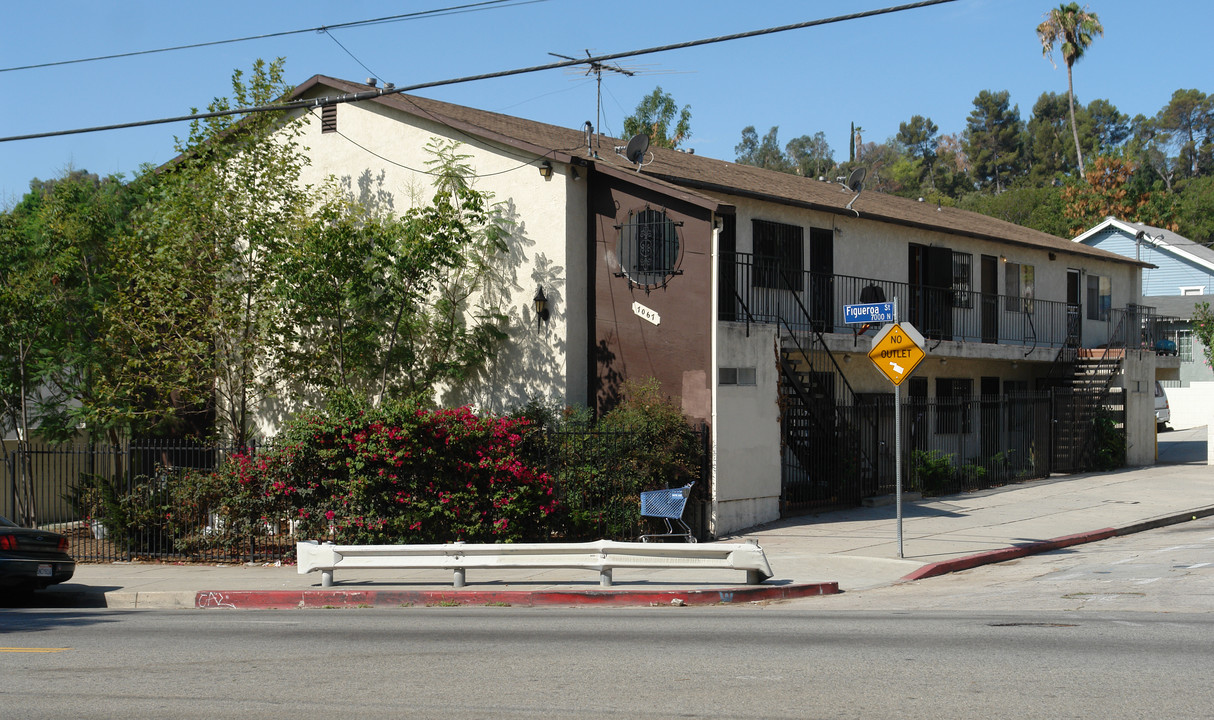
(1009, 553)
(283, 599)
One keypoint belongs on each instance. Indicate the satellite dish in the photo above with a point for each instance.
(636, 148)
(855, 181)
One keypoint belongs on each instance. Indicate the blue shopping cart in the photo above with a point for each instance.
(668, 505)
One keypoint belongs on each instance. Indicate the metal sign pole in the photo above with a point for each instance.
(898, 448)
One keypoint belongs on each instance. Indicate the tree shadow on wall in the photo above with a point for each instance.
(369, 192)
(531, 363)
(610, 377)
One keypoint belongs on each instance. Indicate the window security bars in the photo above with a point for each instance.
(649, 248)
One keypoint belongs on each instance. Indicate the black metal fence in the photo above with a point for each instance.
(948, 445)
(135, 501)
(757, 289)
(131, 501)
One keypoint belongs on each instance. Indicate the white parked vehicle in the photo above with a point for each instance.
(1163, 413)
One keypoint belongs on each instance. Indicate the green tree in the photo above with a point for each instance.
(659, 116)
(1203, 328)
(1196, 210)
(1185, 127)
(1040, 208)
(763, 153)
(1051, 146)
(1149, 146)
(60, 238)
(918, 136)
(810, 156)
(1071, 28)
(1110, 127)
(197, 311)
(992, 140)
(54, 274)
(378, 307)
(951, 172)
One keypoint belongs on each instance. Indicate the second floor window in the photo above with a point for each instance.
(779, 251)
(963, 266)
(649, 247)
(1019, 285)
(1100, 297)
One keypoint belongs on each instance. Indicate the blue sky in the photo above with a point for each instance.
(876, 72)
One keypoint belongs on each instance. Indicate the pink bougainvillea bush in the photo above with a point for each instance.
(400, 473)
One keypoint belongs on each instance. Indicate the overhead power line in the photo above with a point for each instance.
(437, 12)
(379, 92)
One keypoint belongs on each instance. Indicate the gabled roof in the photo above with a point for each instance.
(1158, 238)
(708, 182)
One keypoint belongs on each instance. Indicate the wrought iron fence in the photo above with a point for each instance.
(961, 315)
(122, 502)
(948, 445)
(150, 500)
(600, 474)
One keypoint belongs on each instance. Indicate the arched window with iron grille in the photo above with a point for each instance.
(649, 248)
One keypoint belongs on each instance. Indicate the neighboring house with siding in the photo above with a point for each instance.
(728, 283)
(1180, 274)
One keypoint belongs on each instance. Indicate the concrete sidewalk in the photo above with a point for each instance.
(839, 551)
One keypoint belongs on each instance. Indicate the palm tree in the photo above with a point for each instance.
(1072, 27)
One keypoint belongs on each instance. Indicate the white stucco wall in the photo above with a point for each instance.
(379, 157)
(746, 430)
(1191, 406)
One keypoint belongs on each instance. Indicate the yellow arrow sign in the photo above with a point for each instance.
(896, 352)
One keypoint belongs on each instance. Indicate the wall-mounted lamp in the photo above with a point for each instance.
(1003, 258)
(540, 304)
(546, 170)
(573, 173)
(944, 361)
(1053, 256)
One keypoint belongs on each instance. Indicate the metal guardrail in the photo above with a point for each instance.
(602, 555)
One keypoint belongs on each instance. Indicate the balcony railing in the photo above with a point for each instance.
(752, 289)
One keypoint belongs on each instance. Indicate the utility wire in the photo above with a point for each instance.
(438, 12)
(379, 92)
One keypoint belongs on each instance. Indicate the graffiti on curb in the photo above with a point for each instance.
(213, 600)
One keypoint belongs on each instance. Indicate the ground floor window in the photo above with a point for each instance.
(953, 396)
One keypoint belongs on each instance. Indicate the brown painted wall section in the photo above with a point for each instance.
(678, 350)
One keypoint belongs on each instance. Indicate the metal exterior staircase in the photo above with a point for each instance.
(1081, 383)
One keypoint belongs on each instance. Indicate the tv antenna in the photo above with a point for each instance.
(597, 68)
(855, 183)
(635, 150)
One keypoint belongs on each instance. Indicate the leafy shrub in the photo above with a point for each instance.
(1108, 441)
(644, 443)
(399, 473)
(933, 470)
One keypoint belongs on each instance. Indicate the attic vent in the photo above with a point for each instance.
(328, 119)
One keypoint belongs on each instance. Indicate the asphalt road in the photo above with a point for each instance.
(1116, 629)
(715, 662)
(1167, 570)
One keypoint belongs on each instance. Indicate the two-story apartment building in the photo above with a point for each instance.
(728, 283)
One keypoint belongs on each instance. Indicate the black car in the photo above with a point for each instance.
(32, 559)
